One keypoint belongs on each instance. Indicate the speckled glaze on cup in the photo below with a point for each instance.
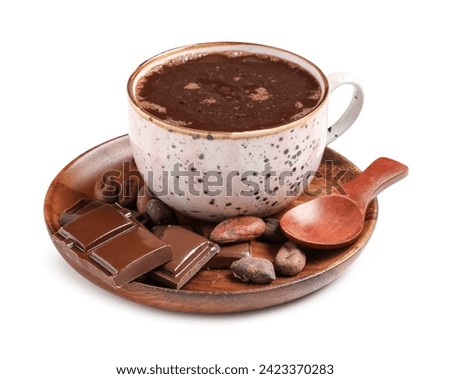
(214, 175)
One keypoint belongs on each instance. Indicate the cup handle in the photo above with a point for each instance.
(354, 107)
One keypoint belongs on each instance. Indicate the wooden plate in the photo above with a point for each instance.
(210, 291)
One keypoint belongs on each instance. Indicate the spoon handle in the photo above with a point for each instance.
(381, 173)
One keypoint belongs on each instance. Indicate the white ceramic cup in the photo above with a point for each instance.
(212, 175)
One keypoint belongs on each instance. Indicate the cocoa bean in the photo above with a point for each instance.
(273, 232)
(128, 195)
(143, 197)
(160, 213)
(107, 189)
(290, 260)
(204, 229)
(237, 229)
(253, 269)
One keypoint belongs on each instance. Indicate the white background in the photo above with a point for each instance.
(64, 67)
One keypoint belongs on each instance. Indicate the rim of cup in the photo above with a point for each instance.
(214, 47)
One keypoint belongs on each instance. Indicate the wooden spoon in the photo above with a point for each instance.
(335, 220)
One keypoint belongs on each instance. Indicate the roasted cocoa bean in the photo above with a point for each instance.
(160, 213)
(272, 232)
(290, 260)
(107, 189)
(128, 195)
(143, 198)
(204, 229)
(253, 269)
(237, 229)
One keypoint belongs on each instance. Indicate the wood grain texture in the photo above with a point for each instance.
(210, 291)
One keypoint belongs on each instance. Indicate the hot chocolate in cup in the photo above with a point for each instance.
(224, 129)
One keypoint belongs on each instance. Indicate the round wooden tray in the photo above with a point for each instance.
(210, 291)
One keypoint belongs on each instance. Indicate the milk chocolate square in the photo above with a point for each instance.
(191, 252)
(78, 209)
(96, 226)
(132, 254)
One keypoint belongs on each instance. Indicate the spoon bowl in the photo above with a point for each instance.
(326, 221)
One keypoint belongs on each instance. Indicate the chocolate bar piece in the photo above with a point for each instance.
(113, 245)
(78, 209)
(191, 252)
(228, 254)
(84, 206)
(97, 226)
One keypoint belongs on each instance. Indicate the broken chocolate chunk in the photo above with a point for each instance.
(191, 252)
(78, 209)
